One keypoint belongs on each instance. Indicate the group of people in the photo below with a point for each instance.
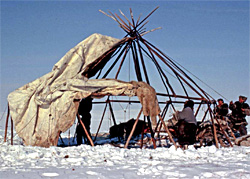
(187, 124)
(237, 119)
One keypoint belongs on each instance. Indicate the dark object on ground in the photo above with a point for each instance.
(117, 131)
(124, 129)
(186, 132)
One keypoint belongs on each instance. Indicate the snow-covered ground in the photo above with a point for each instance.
(106, 161)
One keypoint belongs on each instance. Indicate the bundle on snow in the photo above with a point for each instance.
(124, 129)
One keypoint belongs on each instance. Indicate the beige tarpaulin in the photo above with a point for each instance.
(45, 107)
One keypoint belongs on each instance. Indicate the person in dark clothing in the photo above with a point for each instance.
(221, 110)
(84, 111)
(238, 117)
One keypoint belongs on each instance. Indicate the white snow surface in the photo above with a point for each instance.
(106, 161)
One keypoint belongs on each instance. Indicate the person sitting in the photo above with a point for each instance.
(187, 124)
(239, 111)
(221, 110)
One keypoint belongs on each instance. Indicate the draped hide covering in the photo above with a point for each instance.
(45, 107)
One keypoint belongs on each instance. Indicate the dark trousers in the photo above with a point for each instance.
(80, 133)
(186, 133)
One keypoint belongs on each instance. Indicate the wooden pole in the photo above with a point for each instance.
(231, 132)
(164, 112)
(136, 62)
(180, 96)
(151, 131)
(126, 25)
(127, 29)
(101, 121)
(196, 113)
(214, 129)
(133, 101)
(133, 129)
(126, 19)
(148, 16)
(123, 58)
(112, 113)
(142, 62)
(85, 130)
(132, 17)
(6, 124)
(224, 132)
(169, 134)
(115, 19)
(159, 68)
(117, 59)
(183, 87)
(175, 72)
(11, 130)
(205, 115)
(178, 68)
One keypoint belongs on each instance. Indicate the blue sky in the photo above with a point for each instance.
(210, 39)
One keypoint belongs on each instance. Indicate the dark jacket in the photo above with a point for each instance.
(237, 109)
(222, 110)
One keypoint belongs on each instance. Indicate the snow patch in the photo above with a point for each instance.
(50, 174)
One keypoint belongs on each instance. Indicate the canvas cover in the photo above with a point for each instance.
(45, 107)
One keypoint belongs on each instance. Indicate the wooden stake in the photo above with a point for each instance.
(148, 16)
(144, 33)
(151, 131)
(117, 59)
(126, 18)
(164, 112)
(143, 64)
(123, 58)
(132, 17)
(169, 134)
(112, 113)
(121, 25)
(231, 132)
(11, 130)
(85, 130)
(176, 67)
(136, 62)
(114, 18)
(224, 132)
(6, 124)
(214, 129)
(122, 21)
(133, 129)
(198, 109)
(101, 119)
(158, 67)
